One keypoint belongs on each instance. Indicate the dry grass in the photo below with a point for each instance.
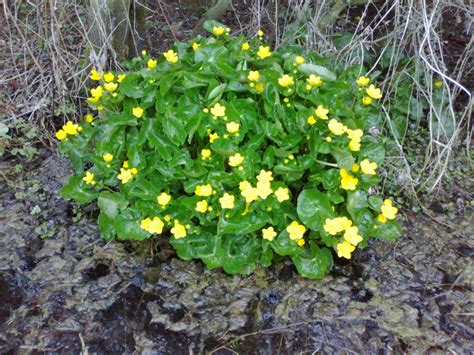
(43, 75)
(44, 42)
(410, 27)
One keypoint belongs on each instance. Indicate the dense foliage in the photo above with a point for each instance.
(237, 154)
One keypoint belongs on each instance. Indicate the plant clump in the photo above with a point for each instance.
(238, 154)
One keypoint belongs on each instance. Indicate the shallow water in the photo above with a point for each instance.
(63, 289)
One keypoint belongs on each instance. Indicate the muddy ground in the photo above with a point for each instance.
(65, 290)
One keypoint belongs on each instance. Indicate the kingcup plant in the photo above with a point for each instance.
(235, 153)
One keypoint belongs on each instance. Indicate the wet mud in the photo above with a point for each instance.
(65, 290)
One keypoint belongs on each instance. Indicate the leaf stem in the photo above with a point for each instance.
(326, 163)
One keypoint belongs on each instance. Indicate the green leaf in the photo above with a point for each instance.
(283, 245)
(373, 152)
(174, 129)
(356, 201)
(110, 203)
(389, 230)
(204, 246)
(128, 227)
(314, 263)
(210, 24)
(344, 158)
(216, 91)
(78, 191)
(242, 224)
(106, 226)
(331, 179)
(375, 202)
(308, 68)
(132, 86)
(313, 208)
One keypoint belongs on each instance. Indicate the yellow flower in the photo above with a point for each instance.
(121, 77)
(337, 225)
(321, 112)
(345, 249)
(314, 80)
(296, 230)
(71, 128)
(264, 52)
(253, 75)
(107, 157)
(286, 81)
(206, 154)
(336, 127)
(260, 87)
(227, 30)
(93, 99)
(97, 92)
(109, 77)
(355, 168)
(155, 226)
(196, 45)
(125, 175)
(213, 137)
(201, 206)
(125, 164)
(299, 60)
(61, 135)
(269, 233)
(236, 160)
(249, 193)
(232, 127)
(179, 231)
(354, 134)
(388, 210)
(348, 182)
(328, 139)
(373, 92)
(89, 178)
(151, 64)
(163, 199)
(145, 224)
(171, 56)
(167, 218)
(265, 176)
(94, 75)
(143, 52)
(264, 189)
(366, 100)
(227, 201)
(203, 190)
(352, 235)
(381, 218)
(111, 86)
(438, 84)
(137, 112)
(89, 118)
(300, 242)
(244, 185)
(354, 145)
(362, 81)
(282, 194)
(218, 110)
(260, 33)
(134, 171)
(368, 167)
(218, 31)
(311, 120)
(245, 46)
